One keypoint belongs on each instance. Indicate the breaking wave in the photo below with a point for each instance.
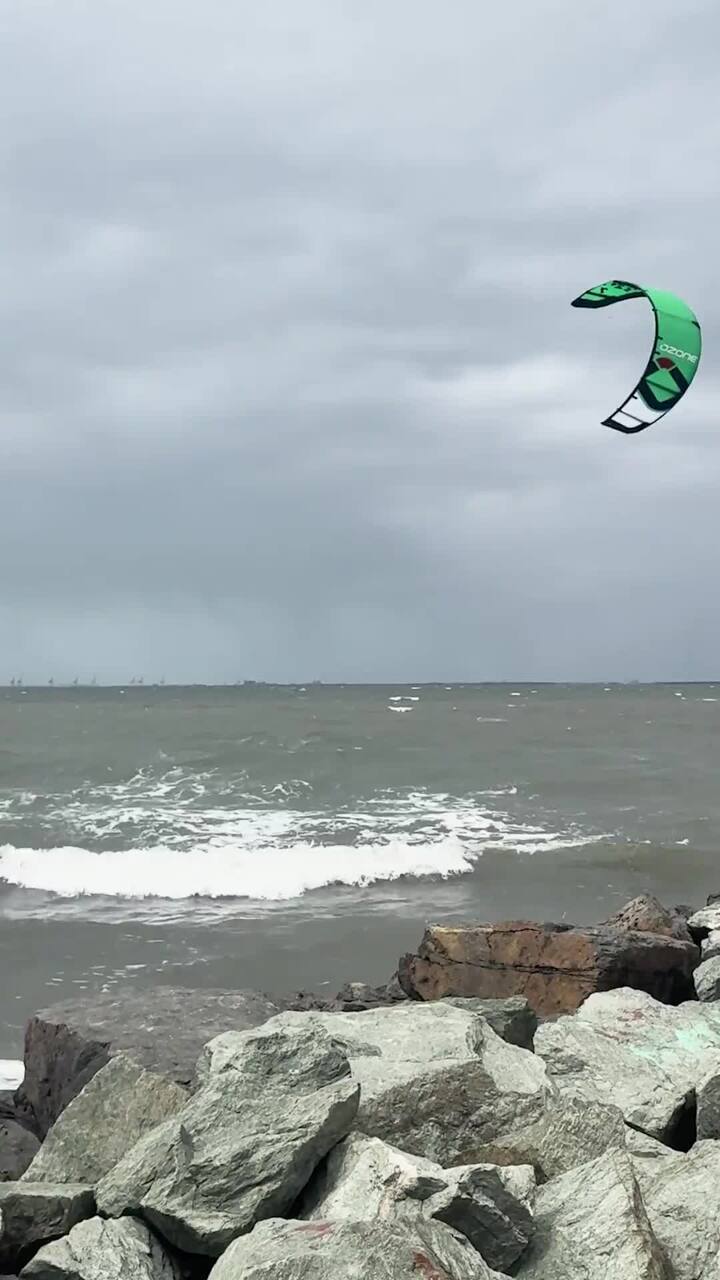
(189, 836)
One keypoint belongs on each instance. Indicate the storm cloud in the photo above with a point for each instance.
(289, 382)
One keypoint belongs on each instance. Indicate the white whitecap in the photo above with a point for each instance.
(11, 1073)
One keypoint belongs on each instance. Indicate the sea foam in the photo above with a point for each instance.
(180, 837)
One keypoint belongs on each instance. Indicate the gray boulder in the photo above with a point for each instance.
(245, 1145)
(707, 979)
(17, 1148)
(99, 1250)
(20, 1114)
(436, 1080)
(683, 1206)
(571, 1132)
(707, 1097)
(417, 1250)
(365, 1178)
(353, 997)
(703, 922)
(479, 1203)
(648, 1156)
(111, 1113)
(710, 946)
(590, 1223)
(513, 1019)
(30, 1215)
(625, 1048)
(163, 1030)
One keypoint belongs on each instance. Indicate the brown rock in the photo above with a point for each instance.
(554, 966)
(646, 914)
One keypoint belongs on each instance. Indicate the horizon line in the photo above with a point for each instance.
(340, 684)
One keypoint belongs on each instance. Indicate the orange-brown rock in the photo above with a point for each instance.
(554, 966)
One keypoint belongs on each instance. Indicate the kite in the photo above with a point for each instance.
(673, 361)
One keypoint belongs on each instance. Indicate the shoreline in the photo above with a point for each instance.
(503, 1083)
(323, 940)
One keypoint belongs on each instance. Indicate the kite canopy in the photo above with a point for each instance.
(673, 361)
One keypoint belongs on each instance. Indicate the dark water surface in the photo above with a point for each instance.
(293, 837)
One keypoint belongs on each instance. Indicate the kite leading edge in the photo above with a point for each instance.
(673, 361)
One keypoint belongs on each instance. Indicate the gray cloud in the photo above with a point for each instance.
(290, 383)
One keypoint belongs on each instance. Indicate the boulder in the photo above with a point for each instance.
(118, 1106)
(623, 1047)
(646, 914)
(436, 1080)
(683, 1206)
(590, 1223)
(703, 922)
(571, 1132)
(246, 1143)
(30, 1215)
(99, 1250)
(11, 1109)
(647, 1155)
(707, 1105)
(513, 1020)
(554, 966)
(707, 979)
(353, 997)
(17, 1148)
(415, 1250)
(479, 1204)
(365, 1178)
(163, 1029)
(710, 946)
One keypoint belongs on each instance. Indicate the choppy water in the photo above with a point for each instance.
(173, 804)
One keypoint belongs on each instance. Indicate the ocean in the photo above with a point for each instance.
(289, 838)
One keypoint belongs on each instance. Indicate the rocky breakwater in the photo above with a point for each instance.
(283, 1156)
(380, 1136)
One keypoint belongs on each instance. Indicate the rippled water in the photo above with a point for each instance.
(166, 803)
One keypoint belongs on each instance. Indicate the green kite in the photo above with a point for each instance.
(673, 361)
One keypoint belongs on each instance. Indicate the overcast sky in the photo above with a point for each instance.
(290, 383)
